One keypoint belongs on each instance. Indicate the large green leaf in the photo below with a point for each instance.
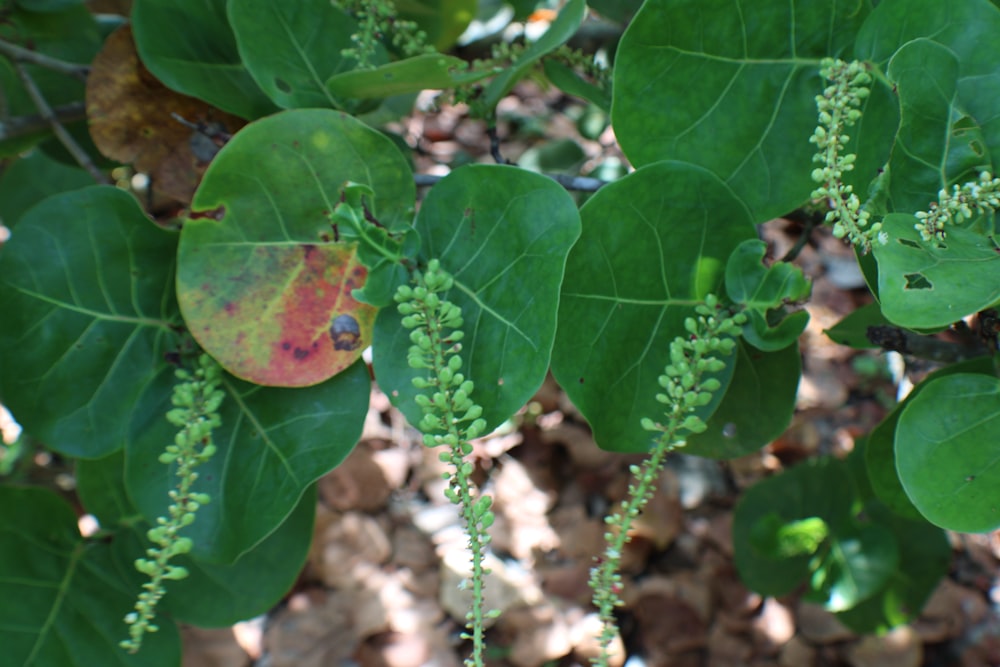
(757, 407)
(653, 245)
(947, 451)
(937, 143)
(63, 600)
(961, 117)
(273, 444)
(857, 565)
(291, 48)
(212, 595)
(504, 234)
(931, 285)
(190, 47)
(86, 288)
(263, 282)
(880, 457)
(730, 85)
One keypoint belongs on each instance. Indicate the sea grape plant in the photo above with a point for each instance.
(291, 241)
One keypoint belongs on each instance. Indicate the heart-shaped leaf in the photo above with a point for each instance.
(485, 223)
(87, 295)
(731, 86)
(273, 444)
(653, 245)
(263, 283)
(212, 595)
(64, 599)
(946, 451)
(925, 285)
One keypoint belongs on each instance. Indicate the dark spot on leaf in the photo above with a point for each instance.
(230, 307)
(216, 213)
(970, 478)
(300, 354)
(282, 85)
(581, 380)
(358, 272)
(917, 281)
(308, 249)
(345, 333)
(908, 243)
(324, 237)
(286, 345)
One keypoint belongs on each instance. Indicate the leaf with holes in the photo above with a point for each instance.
(925, 285)
(263, 282)
(946, 452)
(86, 290)
(504, 234)
(739, 78)
(653, 245)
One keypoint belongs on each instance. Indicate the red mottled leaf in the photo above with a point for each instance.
(263, 283)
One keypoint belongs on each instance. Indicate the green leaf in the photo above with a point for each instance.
(962, 110)
(756, 408)
(852, 330)
(565, 26)
(775, 538)
(64, 600)
(927, 556)
(262, 278)
(503, 233)
(427, 71)
(189, 46)
(856, 567)
(86, 288)
(443, 21)
(46, 5)
(880, 457)
(937, 143)
(931, 285)
(212, 595)
(291, 48)
(821, 489)
(619, 11)
(33, 178)
(69, 34)
(653, 245)
(568, 81)
(764, 291)
(731, 86)
(946, 452)
(273, 443)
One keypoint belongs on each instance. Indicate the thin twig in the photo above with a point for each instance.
(19, 54)
(896, 339)
(577, 183)
(20, 126)
(64, 137)
(491, 132)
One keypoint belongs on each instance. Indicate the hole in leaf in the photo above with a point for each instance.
(917, 281)
(282, 85)
(908, 243)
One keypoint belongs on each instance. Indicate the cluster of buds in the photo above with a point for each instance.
(196, 399)
(963, 203)
(839, 108)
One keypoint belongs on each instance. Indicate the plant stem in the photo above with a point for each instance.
(19, 54)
